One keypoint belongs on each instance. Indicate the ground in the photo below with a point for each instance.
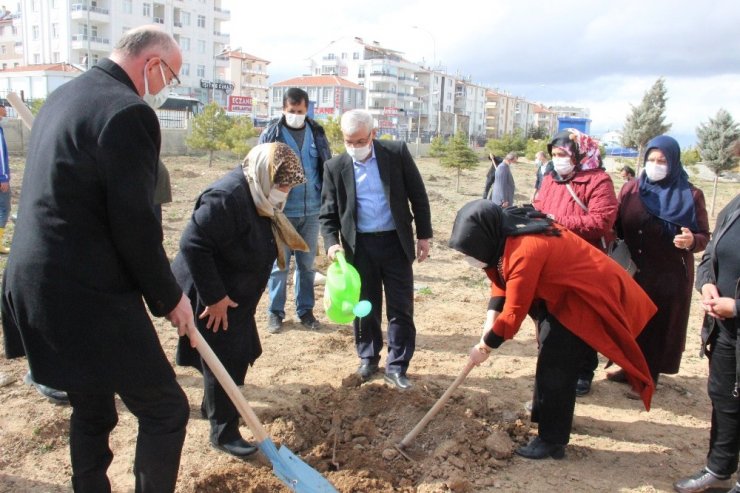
(304, 391)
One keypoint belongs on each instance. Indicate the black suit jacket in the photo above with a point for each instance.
(402, 185)
(88, 245)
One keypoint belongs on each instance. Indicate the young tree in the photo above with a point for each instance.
(716, 141)
(334, 135)
(209, 130)
(237, 136)
(459, 155)
(437, 147)
(647, 120)
(510, 142)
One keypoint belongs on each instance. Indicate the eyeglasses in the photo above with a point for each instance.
(175, 80)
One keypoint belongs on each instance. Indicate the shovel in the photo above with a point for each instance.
(433, 411)
(296, 474)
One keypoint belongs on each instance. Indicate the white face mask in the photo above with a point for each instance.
(656, 172)
(359, 153)
(294, 120)
(277, 197)
(475, 263)
(155, 100)
(563, 165)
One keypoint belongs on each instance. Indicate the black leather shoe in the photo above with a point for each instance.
(238, 448)
(53, 395)
(701, 481)
(537, 448)
(583, 387)
(398, 379)
(367, 370)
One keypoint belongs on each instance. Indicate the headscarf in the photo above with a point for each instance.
(275, 164)
(670, 199)
(481, 228)
(583, 147)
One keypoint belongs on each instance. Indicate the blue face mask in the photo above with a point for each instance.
(155, 100)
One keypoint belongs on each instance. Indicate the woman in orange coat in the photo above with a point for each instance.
(590, 303)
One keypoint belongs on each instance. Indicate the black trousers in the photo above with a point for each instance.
(383, 265)
(724, 437)
(220, 411)
(560, 357)
(162, 413)
(588, 365)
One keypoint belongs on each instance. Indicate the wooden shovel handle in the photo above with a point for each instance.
(223, 377)
(436, 407)
(20, 107)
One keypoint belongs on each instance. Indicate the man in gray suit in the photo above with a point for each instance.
(503, 186)
(365, 213)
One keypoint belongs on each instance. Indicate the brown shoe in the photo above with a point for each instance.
(618, 376)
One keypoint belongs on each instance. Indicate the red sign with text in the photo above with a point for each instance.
(240, 104)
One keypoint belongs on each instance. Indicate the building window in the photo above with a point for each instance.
(331, 56)
(55, 57)
(36, 58)
(202, 21)
(34, 32)
(355, 55)
(147, 10)
(201, 71)
(127, 6)
(185, 18)
(325, 96)
(201, 46)
(185, 44)
(344, 56)
(5, 65)
(53, 4)
(34, 6)
(3, 49)
(55, 30)
(185, 70)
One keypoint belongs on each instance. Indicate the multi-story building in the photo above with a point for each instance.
(570, 111)
(331, 95)
(544, 118)
(248, 74)
(501, 114)
(11, 47)
(470, 110)
(56, 31)
(36, 81)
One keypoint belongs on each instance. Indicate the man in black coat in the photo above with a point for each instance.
(365, 212)
(87, 248)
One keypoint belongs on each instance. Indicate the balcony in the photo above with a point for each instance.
(409, 81)
(158, 20)
(383, 76)
(80, 42)
(221, 13)
(250, 85)
(252, 71)
(83, 12)
(220, 34)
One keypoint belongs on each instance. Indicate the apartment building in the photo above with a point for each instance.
(82, 32)
(544, 118)
(248, 75)
(11, 47)
(331, 95)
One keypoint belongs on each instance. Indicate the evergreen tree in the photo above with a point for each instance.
(459, 155)
(237, 136)
(717, 138)
(515, 142)
(209, 130)
(647, 120)
(437, 147)
(334, 135)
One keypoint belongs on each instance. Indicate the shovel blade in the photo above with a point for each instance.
(296, 474)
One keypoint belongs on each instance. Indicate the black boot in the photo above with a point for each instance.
(537, 448)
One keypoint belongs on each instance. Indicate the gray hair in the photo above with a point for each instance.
(511, 156)
(355, 120)
(539, 154)
(141, 38)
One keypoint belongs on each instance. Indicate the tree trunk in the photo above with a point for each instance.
(714, 194)
(638, 160)
(210, 158)
(457, 187)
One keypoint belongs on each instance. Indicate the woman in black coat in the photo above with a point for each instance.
(226, 254)
(718, 280)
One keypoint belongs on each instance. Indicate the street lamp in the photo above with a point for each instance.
(418, 119)
(434, 44)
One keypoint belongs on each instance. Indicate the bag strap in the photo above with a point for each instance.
(583, 206)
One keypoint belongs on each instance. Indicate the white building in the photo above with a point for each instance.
(36, 81)
(82, 32)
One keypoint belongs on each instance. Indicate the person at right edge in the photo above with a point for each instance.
(590, 303)
(579, 194)
(663, 220)
(718, 281)
(365, 205)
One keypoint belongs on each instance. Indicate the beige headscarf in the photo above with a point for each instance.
(275, 164)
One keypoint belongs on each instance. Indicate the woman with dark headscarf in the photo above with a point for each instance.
(664, 222)
(226, 254)
(590, 303)
(579, 195)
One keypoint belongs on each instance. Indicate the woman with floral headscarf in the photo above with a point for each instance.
(664, 222)
(226, 254)
(590, 303)
(579, 195)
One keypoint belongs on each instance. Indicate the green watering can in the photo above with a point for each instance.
(342, 292)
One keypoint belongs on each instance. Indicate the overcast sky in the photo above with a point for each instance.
(600, 54)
